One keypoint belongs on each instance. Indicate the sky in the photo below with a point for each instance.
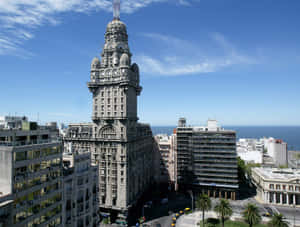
(231, 60)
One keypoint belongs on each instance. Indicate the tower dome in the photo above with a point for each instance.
(124, 61)
(95, 63)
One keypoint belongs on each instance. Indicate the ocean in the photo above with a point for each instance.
(289, 134)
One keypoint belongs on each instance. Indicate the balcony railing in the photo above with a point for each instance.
(27, 143)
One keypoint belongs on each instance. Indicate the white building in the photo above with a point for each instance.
(267, 151)
(277, 149)
(277, 186)
(250, 150)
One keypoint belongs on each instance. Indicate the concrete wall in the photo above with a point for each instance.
(5, 169)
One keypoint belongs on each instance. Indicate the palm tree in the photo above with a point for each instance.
(251, 215)
(277, 221)
(223, 209)
(203, 203)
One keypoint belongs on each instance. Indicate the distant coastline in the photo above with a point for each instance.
(290, 134)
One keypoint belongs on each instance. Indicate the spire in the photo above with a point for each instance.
(116, 5)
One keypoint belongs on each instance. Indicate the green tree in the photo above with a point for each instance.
(203, 202)
(224, 210)
(251, 215)
(277, 221)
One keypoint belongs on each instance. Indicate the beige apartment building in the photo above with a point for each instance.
(164, 158)
(31, 169)
(81, 206)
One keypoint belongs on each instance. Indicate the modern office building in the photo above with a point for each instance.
(120, 145)
(81, 204)
(207, 159)
(164, 158)
(277, 186)
(31, 169)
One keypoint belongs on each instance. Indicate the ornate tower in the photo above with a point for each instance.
(121, 146)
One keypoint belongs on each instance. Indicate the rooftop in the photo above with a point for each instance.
(277, 174)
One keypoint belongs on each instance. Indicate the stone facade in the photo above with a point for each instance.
(80, 206)
(277, 186)
(120, 145)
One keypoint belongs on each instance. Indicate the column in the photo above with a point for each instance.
(268, 197)
(287, 199)
(280, 198)
(225, 195)
(274, 197)
(208, 193)
(265, 197)
(214, 193)
(294, 199)
(220, 194)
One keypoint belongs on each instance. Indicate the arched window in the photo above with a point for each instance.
(108, 132)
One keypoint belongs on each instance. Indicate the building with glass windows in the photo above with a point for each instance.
(31, 169)
(206, 159)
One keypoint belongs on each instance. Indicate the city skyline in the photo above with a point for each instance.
(208, 64)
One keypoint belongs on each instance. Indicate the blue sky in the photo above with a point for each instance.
(231, 60)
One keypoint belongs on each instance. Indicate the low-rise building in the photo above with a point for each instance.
(81, 203)
(277, 186)
(31, 169)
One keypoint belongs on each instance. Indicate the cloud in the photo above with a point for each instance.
(19, 18)
(181, 57)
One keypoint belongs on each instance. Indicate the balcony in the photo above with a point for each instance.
(28, 143)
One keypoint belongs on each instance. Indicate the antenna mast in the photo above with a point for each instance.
(116, 5)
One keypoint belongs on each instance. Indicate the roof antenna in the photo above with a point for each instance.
(116, 9)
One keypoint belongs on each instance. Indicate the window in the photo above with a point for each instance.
(108, 100)
(278, 186)
(121, 107)
(102, 93)
(102, 108)
(115, 100)
(271, 186)
(115, 107)
(122, 99)
(290, 187)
